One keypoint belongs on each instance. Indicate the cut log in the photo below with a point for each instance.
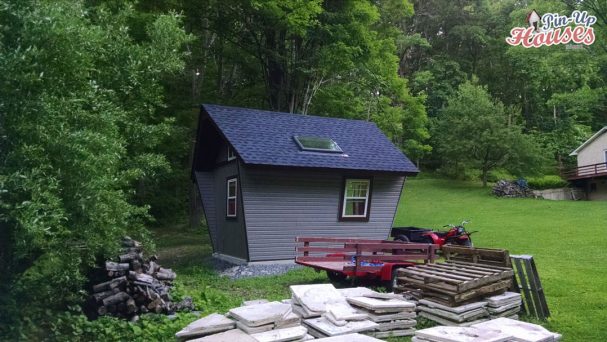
(141, 277)
(101, 295)
(102, 310)
(131, 306)
(117, 298)
(152, 268)
(129, 257)
(165, 274)
(114, 266)
(112, 284)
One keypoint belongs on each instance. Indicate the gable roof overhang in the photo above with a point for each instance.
(264, 138)
(589, 141)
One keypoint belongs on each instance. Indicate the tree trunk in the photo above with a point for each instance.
(484, 176)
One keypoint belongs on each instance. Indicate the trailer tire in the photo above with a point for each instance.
(336, 277)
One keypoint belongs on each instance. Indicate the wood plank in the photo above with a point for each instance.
(326, 249)
(478, 266)
(457, 270)
(540, 289)
(439, 272)
(415, 271)
(524, 286)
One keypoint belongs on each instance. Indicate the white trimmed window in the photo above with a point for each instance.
(231, 197)
(355, 203)
(231, 153)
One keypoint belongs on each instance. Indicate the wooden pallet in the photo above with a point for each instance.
(453, 282)
(486, 256)
(527, 282)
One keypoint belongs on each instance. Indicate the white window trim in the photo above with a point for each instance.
(231, 153)
(366, 198)
(235, 197)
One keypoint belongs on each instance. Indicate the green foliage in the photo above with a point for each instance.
(475, 132)
(546, 182)
(80, 127)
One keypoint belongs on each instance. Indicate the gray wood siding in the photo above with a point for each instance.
(227, 234)
(280, 205)
(206, 188)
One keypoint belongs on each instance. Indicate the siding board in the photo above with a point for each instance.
(206, 184)
(282, 205)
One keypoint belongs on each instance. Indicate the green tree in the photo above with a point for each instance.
(475, 132)
(79, 130)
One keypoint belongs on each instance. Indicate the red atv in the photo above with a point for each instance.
(456, 235)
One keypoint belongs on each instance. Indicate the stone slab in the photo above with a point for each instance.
(390, 316)
(397, 325)
(520, 331)
(253, 330)
(500, 309)
(380, 305)
(289, 320)
(304, 312)
(349, 338)
(461, 317)
(393, 333)
(383, 295)
(508, 313)
(210, 324)
(255, 302)
(281, 335)
(316, 297)
(333, 320)
(260, 314)
(447, 322)
(455, 309)
(343, 311)
(355, 292)
(329, 329)
(506, 297)
(227, 336)
(461, 334)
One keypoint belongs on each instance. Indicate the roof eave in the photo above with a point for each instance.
(396, 172)
(587, 142)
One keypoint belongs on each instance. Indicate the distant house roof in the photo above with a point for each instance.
(590, 140)
(267, 138)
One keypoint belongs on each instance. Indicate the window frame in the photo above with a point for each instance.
(605, 155)
(229, 180)
(343, 199)
(231, 153)
(314, 149)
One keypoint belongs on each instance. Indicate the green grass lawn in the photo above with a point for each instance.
(567, 240)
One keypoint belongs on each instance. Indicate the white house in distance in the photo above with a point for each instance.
(591, 171)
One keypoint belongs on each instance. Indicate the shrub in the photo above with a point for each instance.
(546, 182)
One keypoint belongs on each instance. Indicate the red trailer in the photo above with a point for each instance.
(361, 258)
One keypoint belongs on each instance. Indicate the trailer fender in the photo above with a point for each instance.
(386, 270)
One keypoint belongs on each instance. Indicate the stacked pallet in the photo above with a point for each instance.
(463, 315)
(504, 305)
(393, 316)
(455, 283)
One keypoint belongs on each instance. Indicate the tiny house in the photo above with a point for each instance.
(591, 171)
(266, 177)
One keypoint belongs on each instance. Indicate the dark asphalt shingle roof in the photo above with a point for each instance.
(266, 138)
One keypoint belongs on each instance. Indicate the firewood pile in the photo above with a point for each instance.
(505, 188)
(135, 286)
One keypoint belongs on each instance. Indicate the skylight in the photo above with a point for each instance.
(317, 144)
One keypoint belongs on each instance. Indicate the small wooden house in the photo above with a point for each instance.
(591, 171)
(266, 177)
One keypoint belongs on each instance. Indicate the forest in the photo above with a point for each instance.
(99, 100)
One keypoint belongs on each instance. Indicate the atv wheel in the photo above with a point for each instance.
(402, 238)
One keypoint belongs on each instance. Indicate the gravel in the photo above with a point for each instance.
(232, 271)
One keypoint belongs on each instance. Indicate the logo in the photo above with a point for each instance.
(553, 29)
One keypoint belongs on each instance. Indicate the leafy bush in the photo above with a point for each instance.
(499, 174)
(546, 182)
